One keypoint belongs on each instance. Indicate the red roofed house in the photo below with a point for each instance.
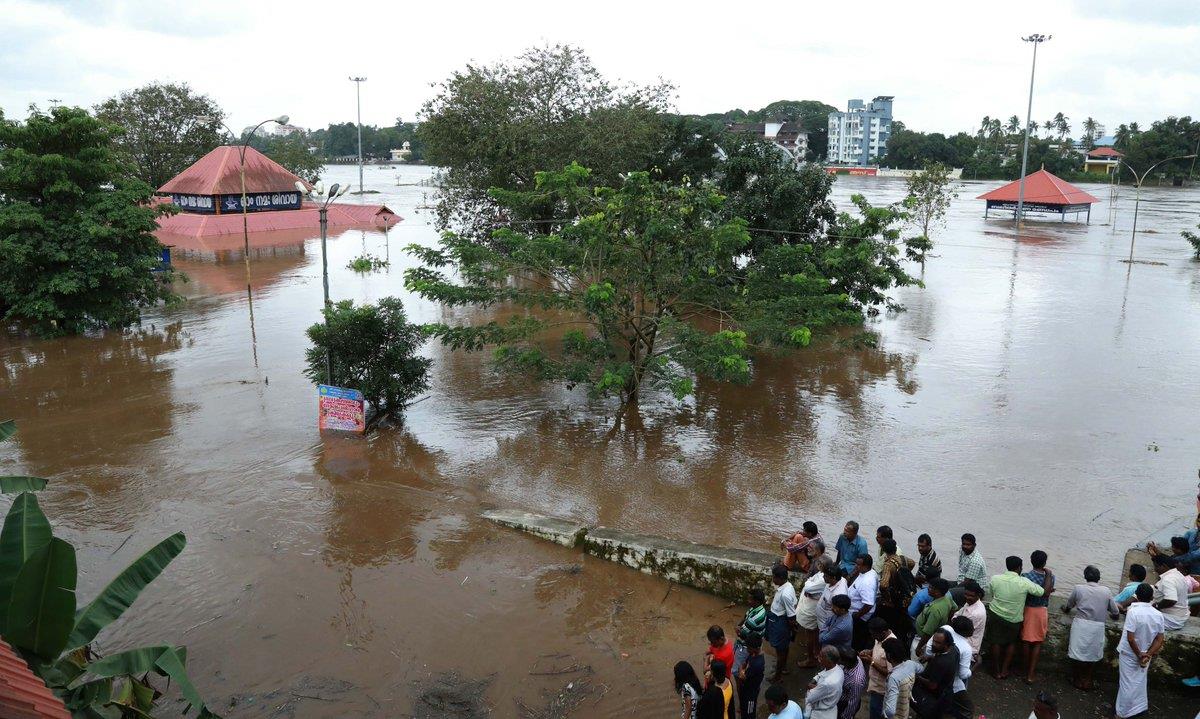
(1044, 192)
(1103, 159)
(209, 197)
(22, 694)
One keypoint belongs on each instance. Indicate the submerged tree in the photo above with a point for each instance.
(646, 284)
(1194, 240)
(373, 349)
(76, 249)
(929, 196)
(165, 127)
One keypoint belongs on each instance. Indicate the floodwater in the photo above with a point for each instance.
(1037, 392)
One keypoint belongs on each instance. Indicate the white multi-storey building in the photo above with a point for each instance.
(859, 135)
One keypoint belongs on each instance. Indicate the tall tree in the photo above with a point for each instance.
(1013, 126)
(930, 193)
(1062, 126)
(76, 249)
(1090, 127)
(165, 128)
(498, 125)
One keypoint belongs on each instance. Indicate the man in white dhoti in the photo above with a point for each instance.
(1093, 603)
(1141, 640)
(826, 688)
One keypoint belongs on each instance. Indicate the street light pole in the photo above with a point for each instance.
(1137, 193)
(1036, 40)
(323, 200)
(358, 81)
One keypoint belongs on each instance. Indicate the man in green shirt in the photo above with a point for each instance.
(937, 613)
(1005, 613)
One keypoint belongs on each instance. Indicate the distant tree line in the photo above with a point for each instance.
(994, 150)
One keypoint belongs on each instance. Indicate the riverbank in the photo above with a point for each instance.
(730, 573)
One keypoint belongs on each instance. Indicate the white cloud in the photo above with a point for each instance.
(947, 63)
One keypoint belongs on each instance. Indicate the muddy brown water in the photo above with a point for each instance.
(1038, 392)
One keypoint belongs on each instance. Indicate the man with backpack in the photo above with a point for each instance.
(896, 587)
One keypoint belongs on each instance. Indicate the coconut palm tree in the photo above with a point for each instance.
(1014, 125)
(1062, 125)
(1048, 126)
(1090, 127)
(1122, 136)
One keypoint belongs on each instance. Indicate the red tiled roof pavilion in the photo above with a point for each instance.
(22, 694)
(1044, 192)
(218, 173)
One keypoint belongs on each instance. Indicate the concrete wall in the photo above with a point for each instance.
(730, 573)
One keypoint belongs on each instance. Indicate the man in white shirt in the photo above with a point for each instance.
(835, 584)
(1172, 590)
(826, 688)
(974, 610)
(862, 600)
(1141, 640)
(781, 619)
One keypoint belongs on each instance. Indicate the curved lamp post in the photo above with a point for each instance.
(323, 200)
(1138, 192)
(282, 120)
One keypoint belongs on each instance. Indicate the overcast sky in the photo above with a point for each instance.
(946, 63)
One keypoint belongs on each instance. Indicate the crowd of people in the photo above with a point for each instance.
(904, 635)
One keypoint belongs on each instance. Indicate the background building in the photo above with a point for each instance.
(785, 133)
(859, 135)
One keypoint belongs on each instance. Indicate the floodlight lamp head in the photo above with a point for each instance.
(333, 191)
(282, 119)
(302, 189)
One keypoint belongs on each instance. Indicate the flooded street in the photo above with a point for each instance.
(1037, 392)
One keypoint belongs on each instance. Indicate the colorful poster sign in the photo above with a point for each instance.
(340, 408)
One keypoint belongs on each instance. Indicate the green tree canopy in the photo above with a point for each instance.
(496, 126)
(76, 249)
(165, 128)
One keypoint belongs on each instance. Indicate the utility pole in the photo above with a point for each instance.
(1036, 40)
(358, 81)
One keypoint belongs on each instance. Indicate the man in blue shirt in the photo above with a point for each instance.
(839, 629)
(922, 598)
(849, 547)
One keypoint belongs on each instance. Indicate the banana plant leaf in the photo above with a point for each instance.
(7, 429)
(165, 660)
(13, 485)
(41, 611)
(26, 530)
(121, 592)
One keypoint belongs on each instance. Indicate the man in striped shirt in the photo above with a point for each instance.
(754, 624)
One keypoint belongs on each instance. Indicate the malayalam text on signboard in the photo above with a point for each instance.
(340, 408)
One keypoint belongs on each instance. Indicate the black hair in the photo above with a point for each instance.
(888, 546)
(866, 560)
(719, 670)
(1013, 563)
(931, 572)
(968, 537)
(877, 625)
(854, 524)
(1048, 699)
(1162, 560)
(1038, 559)
(971, 585)
(925, 538)
(753, 641)
(1137, 572)
(834, 570)
(1180, 545)
(776, 694)
(1091, 574)
(810, 527)
(1144, 592)
(841, 601)
(946, 637)
(779, 572)
(849, 658)
(686, 674)
(962, 626)
(885, 531)
(939, 584)
(894, 650)
(715, 632)
(758, 595)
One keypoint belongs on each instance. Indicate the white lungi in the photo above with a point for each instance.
(1087, 640)
(1132, 698)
